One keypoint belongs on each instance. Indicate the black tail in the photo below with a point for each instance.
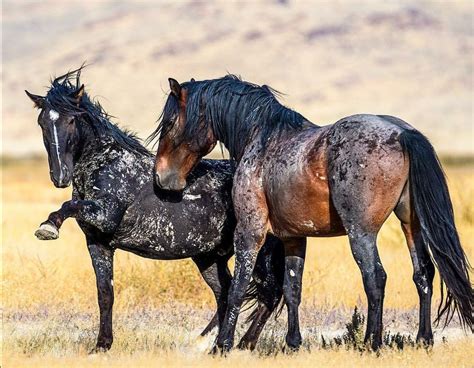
(434, 210)
(266, 286)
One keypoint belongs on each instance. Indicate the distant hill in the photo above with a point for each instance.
(413, 60)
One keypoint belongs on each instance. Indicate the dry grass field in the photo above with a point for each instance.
(50, 310)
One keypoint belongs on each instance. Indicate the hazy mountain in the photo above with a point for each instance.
(413, 60)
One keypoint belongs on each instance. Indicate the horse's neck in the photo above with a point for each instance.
(227, 142)
(95, 157)
(92, 150)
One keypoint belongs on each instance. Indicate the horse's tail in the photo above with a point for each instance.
(266, 286)
(434, 210)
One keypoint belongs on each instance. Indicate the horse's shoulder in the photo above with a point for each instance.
(214, 168)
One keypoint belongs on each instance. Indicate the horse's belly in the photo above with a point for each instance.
(305, 216)
(300, 203)
(194, 226)
(166, 250)
(168, 241)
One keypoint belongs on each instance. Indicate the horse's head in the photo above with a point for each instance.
(181, 145)
(60, 136)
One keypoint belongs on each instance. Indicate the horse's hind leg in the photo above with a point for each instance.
(295, 252)
(216, 274)
(102, 261)
(213, 323)
(364, 250)
(367, 173)
(423, 268)
(362, 221)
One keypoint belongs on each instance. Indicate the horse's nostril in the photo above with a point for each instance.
(157, 180)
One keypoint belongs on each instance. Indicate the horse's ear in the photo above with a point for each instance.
(175, 87)
(37, 100)
(77, 95)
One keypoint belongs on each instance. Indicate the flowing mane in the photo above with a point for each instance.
(89, 111)
(234, 109)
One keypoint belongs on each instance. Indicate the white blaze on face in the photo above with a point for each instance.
(54, 115)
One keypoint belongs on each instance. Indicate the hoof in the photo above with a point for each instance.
(247, 345)
(425, 342)
(47, 232)
(287, 349)
(98, 350)
(214, 351)
(219, 351)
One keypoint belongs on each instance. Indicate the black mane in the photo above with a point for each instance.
(234, 109)
(60, 98)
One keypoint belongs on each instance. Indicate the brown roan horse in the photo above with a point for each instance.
(296, 179)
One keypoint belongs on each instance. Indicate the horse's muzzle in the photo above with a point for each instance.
(169, 182)
(63, 180)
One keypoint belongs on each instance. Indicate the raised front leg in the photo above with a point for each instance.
(104, 214)
(102, 261)
(295, 252)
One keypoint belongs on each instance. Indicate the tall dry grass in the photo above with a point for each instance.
(58, 273)
(49, 294)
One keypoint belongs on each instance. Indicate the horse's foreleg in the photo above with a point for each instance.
(295, 251)
(102, 261)
(247, 244)
(104, 214)
(268, 280)
(364, 250)
(215, 272)
(49, 229)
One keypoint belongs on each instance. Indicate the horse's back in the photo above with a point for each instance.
(167, 225)
(320, 177)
